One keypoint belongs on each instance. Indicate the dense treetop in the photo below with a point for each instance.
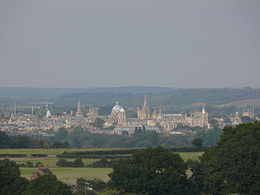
(233, 165)
(151, 171)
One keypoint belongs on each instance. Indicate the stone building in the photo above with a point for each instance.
(249, 112)
(195, 119)
(92, 114)
(117, 114)
(144, 112)
(79, 112)
(40, 172)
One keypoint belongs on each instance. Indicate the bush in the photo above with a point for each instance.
(38, 164)
(91, 157)
(76, 163)
(124, 153)
(12, 155)
(39, 155)
(21, 165)
(29, 164)
(103, 163)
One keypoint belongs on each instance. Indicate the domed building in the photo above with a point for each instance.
(117, 114)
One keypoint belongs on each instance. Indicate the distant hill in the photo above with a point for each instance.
(128, 96)
(177, 97)
(242, 103)
(56, 92)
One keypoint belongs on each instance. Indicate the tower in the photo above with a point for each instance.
(79, 113)
(144, 112)
(15, 109)
(48, 113)
(203, 109)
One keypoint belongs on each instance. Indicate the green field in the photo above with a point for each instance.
(69, 175)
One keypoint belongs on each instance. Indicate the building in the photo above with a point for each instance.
(194, 119)
(48, 112)
(117, 114)
(78, 112)
(144, 112)
(40, 172)
(92, 113)
(249, 112)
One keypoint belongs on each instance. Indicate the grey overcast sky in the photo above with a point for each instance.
(80, 43)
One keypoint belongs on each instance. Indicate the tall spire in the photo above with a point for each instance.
(145, 100)
(203, 109)
(79, 113)
(15, 109)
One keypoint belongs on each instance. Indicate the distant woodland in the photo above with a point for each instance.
(172, 100)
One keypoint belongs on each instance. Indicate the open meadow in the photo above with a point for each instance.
(69, 175)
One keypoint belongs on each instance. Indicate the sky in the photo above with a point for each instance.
(101, 43)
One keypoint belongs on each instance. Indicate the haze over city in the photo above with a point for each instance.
(129, 43)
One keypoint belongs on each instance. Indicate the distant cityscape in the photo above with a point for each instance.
(117, 122)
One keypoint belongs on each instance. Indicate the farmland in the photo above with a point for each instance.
(69, 175)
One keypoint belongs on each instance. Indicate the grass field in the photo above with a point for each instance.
(69, 175)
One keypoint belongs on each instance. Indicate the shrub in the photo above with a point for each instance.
(38, 164)
(39, 155)
(103, 163)
(64, 163)
(78, 163)
(29, 164)
(12, 155)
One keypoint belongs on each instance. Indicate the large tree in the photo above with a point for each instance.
(233, 165)
(151, 171)
(47, 184)
(5, 141)
(9, 172)
(10, 180)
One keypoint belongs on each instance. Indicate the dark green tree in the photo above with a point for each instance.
(233, 165)
(5, 141)
(61, 134)
(18, 186)
(47, 184)
(9, 172)
(10, 180)
(64, 163)
(99, 123)
(78, 163)
(151, 171)
(198, 142)
(21, 141)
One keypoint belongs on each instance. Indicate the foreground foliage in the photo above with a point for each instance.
(152, 171)
(11, 183)
(47, 184)
(233, 166)
(10, 180)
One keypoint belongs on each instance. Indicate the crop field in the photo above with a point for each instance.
(69, 175)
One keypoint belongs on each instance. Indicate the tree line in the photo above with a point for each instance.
(230, 167)
(25, 141)
(81, 138)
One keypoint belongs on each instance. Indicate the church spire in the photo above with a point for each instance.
(203, 109)
(145, 101)
(79, 113)
(15, 109)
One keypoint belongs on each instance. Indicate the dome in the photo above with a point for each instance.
(116, 108)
